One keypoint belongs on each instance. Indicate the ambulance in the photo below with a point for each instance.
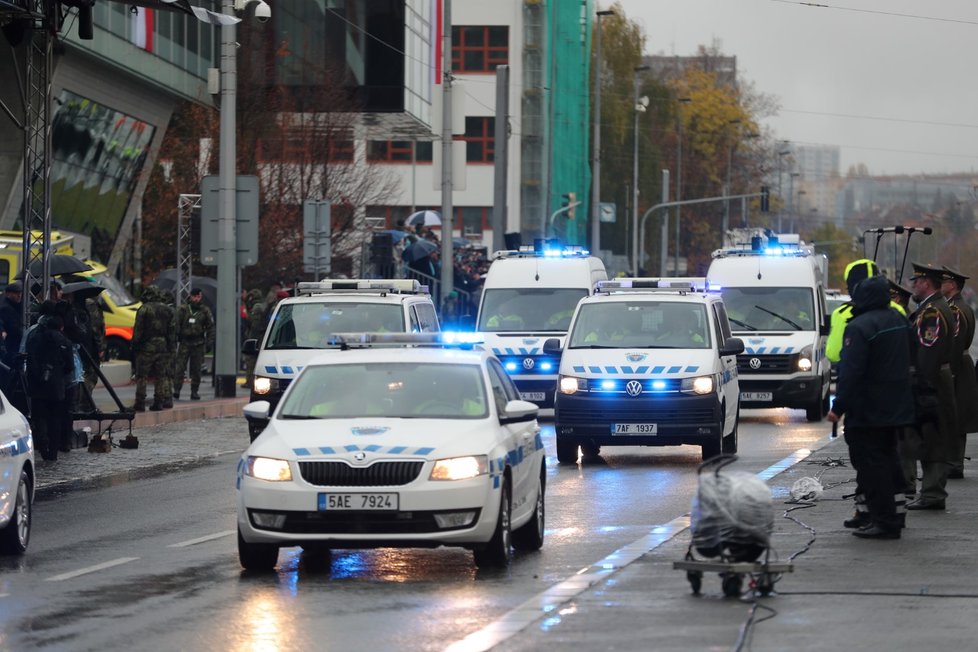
(774, 292)
(304, 325)
(647, 362)
(530, 295)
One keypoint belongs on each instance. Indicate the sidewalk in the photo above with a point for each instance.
(179, 437)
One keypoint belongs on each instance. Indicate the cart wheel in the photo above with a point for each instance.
(732, 584)
(765, 585)
(695, 581)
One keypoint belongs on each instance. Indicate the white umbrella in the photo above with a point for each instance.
(424, 218)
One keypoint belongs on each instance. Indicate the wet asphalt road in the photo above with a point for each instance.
(152, 564)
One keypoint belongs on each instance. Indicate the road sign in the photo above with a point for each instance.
(245, 217)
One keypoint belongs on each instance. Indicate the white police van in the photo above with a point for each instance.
(647, 362)
(774, 292)
(529, 295)
(305, 324)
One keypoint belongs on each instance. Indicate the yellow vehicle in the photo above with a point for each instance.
(118, 306)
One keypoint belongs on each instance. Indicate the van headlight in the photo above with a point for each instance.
(571, 385)
(268, 468)
(264, 385)
(699, 385)
(805, 359)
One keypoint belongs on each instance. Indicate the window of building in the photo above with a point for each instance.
(398, 151)
(479, 139)
(301, 148)
(479, 49)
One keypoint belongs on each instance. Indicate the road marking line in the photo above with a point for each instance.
(209, 537)
(548, 601)
(91, 569)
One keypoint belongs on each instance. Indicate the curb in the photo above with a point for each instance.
(213, 409)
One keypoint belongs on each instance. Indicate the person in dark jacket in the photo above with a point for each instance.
(874, 393)
(50, 363)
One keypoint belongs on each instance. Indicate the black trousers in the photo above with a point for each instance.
(879, 476)
(50, 420)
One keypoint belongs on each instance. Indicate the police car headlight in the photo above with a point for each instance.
(805, 359)
(460, 468)
(699, 385)
(268, 468)
(264, 385)
(572, 385)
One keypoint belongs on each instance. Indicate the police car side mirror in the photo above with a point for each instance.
(732, 346)
(518, 410)
(257, 410)
(552, 345)
(249, 347)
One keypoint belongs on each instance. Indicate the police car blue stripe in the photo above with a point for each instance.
(397, 450)
(423, 451)
(269, 369)
(674, 370)
(579, 370)
(287, 370)
(538, 442)
(692, 369)
(594, 370)
(327, 450)
(301, 451)
(372, 448)
(658, 370)
(351, 448)
(611, 370)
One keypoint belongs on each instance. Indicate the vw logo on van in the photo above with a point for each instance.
(528, 363)
(633, 388)
(755, 363)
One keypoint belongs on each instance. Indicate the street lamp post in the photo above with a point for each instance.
(596, 149)
(781, 155)
(640, 105)
(726, 189)
(791, 199)
(679, 181)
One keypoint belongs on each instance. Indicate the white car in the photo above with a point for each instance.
(394, 445)
(16, 479)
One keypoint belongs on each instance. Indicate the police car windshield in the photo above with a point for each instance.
(641, 324)
(310, 325)
(382, 389)
(770, 309)
(528, 309)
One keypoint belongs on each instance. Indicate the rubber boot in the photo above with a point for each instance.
(156, 406)
(139, 406)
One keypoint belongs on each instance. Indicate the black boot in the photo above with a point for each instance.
(194, 396)
(156, 406)
(859, 519)
(176, 395)
(139, 406)
(167, 404)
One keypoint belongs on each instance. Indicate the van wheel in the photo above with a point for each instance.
(816, 411)
(729, 444)
(117, 348)
(566, 451)
(712, 449)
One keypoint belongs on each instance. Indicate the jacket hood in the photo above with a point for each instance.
(872, 293)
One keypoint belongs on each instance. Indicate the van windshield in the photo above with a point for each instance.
(310, 325)
(116, 290)
(528, 309)
(769, 309)
(641, 325)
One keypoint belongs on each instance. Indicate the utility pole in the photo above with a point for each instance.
(501, 164)
(640, 105)
(447, 281)
(225, 354)
(679, 180)
(664, 236)
(596, 148)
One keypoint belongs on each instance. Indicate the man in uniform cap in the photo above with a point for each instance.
(936, 414)
(900, 296)
(965, 384)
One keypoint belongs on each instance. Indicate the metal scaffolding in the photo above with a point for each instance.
(186, 205)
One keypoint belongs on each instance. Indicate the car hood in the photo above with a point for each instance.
(675, 363)
(373, 438)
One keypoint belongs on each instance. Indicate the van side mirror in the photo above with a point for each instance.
(825, 326)
(250, 347)
(732, 346)
(552, 345)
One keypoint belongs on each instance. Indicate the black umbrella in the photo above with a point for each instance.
(418, 250)
(167, 279)
(60, 264)
(84, 289)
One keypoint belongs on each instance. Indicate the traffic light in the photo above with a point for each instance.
(568, 199)
(765, 199)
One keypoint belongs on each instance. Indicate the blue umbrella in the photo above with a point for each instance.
(418, 250)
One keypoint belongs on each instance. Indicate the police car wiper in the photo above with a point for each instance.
(742, 323)
(781, 317)
(298, 416)
(596, 346)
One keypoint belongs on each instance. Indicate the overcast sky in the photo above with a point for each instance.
(896, 92)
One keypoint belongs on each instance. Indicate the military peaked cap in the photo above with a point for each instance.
(927, 271)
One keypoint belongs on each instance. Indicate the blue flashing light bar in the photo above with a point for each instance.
(546, 366)
(510, 366)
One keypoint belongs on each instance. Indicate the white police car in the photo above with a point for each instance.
(421, 445)
(648, 362)
(16, 479)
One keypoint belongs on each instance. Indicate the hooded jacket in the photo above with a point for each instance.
(874, 387)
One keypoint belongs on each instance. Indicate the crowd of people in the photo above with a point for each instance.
(907, 388)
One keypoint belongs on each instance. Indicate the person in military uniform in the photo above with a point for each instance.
(195, 332)
(255, 330)
(936, 412)
(153, 345)
(900, 297)
(965, 384)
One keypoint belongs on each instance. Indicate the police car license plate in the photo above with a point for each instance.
(360, 502)
(634, 428)
(532, 396)
(756, 396)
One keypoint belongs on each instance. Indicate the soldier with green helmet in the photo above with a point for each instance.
(153, 345)
(194, 334)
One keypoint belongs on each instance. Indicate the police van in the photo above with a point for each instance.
(647, 362)
(529, 295)
(302, 325)
(774, 292)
